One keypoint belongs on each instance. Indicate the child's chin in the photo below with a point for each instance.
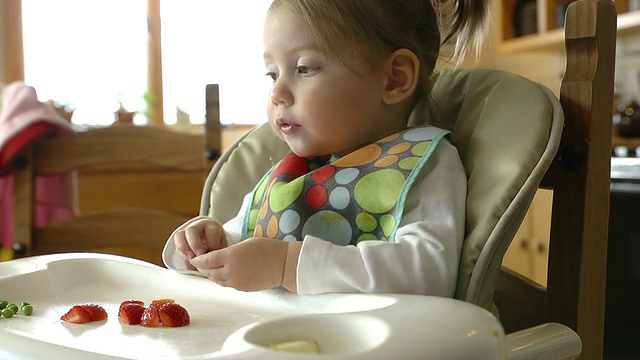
(297, 149)
(304, 151)
(302, 154)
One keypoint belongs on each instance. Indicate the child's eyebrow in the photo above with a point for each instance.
(268, 56)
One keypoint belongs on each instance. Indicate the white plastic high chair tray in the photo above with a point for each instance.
(225, 323)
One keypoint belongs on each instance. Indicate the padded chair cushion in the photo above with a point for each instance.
(238, 170)
(507, 131)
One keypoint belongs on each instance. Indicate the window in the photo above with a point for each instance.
(214, 42)
(87, 62)
(94, 63)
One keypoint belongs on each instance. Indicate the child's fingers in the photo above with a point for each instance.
(182, 247)
(214, 236)
(196, 239)
(210, 261)
(198, 236)
(216, 275)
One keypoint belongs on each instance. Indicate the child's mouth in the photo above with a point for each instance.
(285, 127)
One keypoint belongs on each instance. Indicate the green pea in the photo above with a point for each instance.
(3, 304)
(22, 304)
(13, 308)
(6, 312)
(27, 309)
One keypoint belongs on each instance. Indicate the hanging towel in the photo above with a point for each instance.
(24, 119)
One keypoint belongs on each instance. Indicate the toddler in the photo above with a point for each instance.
(364, 202)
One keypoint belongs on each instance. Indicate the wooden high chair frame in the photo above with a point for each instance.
(140, 226)
(580, 179)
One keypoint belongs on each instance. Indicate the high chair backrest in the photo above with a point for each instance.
(512, 135)
(507, 131)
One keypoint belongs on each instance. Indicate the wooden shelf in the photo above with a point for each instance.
(548, 41)
(549, 37)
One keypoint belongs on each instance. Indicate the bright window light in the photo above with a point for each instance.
(89, 55)
(92, 56)
(214, 42)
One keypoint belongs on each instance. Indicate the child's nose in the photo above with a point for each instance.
(281, 94)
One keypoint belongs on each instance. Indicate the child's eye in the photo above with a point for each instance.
(272, 75)
(307, 70)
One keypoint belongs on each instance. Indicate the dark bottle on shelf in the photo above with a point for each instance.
(525, 17)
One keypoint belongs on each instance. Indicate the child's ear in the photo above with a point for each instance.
(401, 70)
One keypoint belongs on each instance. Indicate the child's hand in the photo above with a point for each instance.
(199, 237)
(254, 264)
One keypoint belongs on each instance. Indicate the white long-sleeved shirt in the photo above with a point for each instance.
(423, 259)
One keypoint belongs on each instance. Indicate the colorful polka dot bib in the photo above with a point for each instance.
(357, 197)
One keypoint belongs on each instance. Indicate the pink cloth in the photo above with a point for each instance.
(23, 119)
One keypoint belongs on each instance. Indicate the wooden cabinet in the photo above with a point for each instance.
(529, 250)
(515, 17)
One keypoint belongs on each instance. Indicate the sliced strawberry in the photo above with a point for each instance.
(77, 315)
(97, 312)
(173, 315)
(156, 304)
(150, 318)
(131, 313)
(131, 301)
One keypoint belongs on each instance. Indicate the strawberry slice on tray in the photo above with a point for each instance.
(81, 314)
(166, 313)
(131, 301)
(173, 315)
(150, 318)
(160, 313)
(131, 313)
(157, 303)
(96, 311)
(77, 315)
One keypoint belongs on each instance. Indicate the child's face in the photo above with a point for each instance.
(317, 104)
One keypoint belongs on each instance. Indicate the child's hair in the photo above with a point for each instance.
(371, 29)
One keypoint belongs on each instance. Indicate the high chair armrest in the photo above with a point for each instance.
(546, 341)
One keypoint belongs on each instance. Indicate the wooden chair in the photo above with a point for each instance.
(580, 179)
(514, 136)
(133, 221)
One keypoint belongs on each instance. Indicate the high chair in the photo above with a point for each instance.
(133, 222)
(513, 136)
